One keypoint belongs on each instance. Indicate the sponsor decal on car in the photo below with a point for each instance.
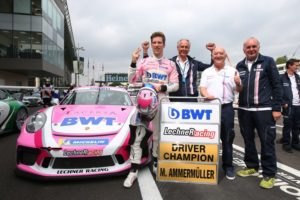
(69, 121)
(82, 171)
(82, 152)
(83, 142)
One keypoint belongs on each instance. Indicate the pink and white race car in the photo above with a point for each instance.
(86, 135)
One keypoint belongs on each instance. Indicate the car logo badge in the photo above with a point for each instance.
(87, 128)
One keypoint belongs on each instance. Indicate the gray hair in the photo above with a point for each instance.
(251, 38)
(178, 43)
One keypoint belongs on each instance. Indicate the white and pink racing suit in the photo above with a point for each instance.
(155, 71)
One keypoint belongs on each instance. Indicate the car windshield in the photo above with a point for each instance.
(97, 96)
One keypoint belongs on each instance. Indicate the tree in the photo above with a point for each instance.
(281, 60)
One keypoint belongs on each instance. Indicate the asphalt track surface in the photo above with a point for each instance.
(287, 184)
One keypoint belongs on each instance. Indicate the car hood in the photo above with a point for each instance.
(89, 120)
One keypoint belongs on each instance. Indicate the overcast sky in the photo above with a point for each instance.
(111, 30)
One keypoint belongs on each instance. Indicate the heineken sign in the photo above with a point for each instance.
(116, 77)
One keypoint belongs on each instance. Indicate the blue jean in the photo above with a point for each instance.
(264, 123)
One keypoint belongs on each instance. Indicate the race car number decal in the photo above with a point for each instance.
(69, 121)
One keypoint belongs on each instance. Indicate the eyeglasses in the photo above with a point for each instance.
(253, 47)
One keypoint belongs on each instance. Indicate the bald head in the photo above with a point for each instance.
(218, 56)
(219, 49)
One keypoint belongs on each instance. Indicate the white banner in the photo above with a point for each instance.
(190, 113)
(196, 133)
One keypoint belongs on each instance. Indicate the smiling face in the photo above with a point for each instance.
(183, 48)
(218, 56)
(251, 48)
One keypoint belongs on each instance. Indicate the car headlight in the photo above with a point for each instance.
(36, 122)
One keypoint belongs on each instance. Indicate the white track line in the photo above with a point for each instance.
(279, 165)
(150, 191)
(148, 186)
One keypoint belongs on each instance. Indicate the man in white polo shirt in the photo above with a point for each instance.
(221, 81)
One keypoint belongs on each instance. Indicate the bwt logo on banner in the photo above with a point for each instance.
(195, 114)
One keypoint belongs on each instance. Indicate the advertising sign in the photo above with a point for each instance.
(187, 172)
(205, 113)
(121, 77)
(189, 152)
(207, 133)
(189, 142)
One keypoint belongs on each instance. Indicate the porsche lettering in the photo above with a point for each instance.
(69, 121)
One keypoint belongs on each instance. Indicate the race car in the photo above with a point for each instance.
(33, 100)
(13, 113)
(87, 134)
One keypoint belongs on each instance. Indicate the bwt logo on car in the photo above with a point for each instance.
(195, 114)
(69, 121)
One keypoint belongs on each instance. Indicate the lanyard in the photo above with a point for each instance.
(182, 67)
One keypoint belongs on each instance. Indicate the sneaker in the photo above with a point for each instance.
(287, 148)
(267, 182)
(247, 172)
(230, 174)
(132, 176)
(296, 147)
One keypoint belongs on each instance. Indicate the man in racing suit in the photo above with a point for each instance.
(162, 74)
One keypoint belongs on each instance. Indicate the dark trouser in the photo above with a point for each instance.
(265, 125)
(227, 134)
(47, 102)
(291, 124)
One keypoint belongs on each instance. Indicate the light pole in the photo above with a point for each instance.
(78, 60)
(295, 51)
